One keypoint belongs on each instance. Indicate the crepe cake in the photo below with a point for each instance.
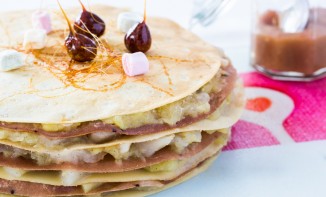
(87, 129)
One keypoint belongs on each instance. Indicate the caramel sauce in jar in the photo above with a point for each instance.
(299, 56)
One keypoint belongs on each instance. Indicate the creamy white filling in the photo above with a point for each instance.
(167, 170)
(69, 178)
(178, 142)
(148, 149)
(14, 171)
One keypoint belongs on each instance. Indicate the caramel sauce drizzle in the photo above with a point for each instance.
(145, 10)
(160, 57)
(166, 72)
(76, 74)
(107, 63)
(156, 88)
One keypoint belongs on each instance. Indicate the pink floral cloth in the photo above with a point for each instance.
(279, 112)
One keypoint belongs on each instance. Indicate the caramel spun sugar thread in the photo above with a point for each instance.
(107, 62)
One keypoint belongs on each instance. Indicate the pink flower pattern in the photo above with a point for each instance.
(307, 122)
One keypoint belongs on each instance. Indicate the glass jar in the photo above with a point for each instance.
(297, 56)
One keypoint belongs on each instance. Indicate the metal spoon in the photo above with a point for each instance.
(295, 18)
(206, 12)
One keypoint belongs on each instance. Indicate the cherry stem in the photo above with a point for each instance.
(145, 11)
(81, 3)
(66, 17)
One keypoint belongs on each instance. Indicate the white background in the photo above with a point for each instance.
(297, 170)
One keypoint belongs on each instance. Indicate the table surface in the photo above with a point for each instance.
(282, 165)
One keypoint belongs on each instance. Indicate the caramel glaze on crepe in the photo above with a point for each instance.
(109, 165)
(229, 75)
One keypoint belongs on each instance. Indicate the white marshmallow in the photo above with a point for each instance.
(34, 39)
(126, 20)
(10, 60)
(135, 64)
(42, 20)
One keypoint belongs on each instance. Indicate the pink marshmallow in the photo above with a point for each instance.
(42, 20)
(135, 63)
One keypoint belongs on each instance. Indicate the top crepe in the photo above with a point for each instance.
(50, 89)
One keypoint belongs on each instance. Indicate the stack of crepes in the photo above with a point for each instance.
(86, 129)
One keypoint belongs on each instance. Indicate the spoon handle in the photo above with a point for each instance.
(295, 18)
(207, 12)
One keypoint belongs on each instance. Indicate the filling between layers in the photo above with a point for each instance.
(192, 108)
(176, 142)
(164, 171)
(36, 189)
(28, 139)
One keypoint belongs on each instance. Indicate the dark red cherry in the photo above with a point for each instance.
(89, 23)
(79, 47)
(138, 38)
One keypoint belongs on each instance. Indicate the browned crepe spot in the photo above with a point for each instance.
(109, 165)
